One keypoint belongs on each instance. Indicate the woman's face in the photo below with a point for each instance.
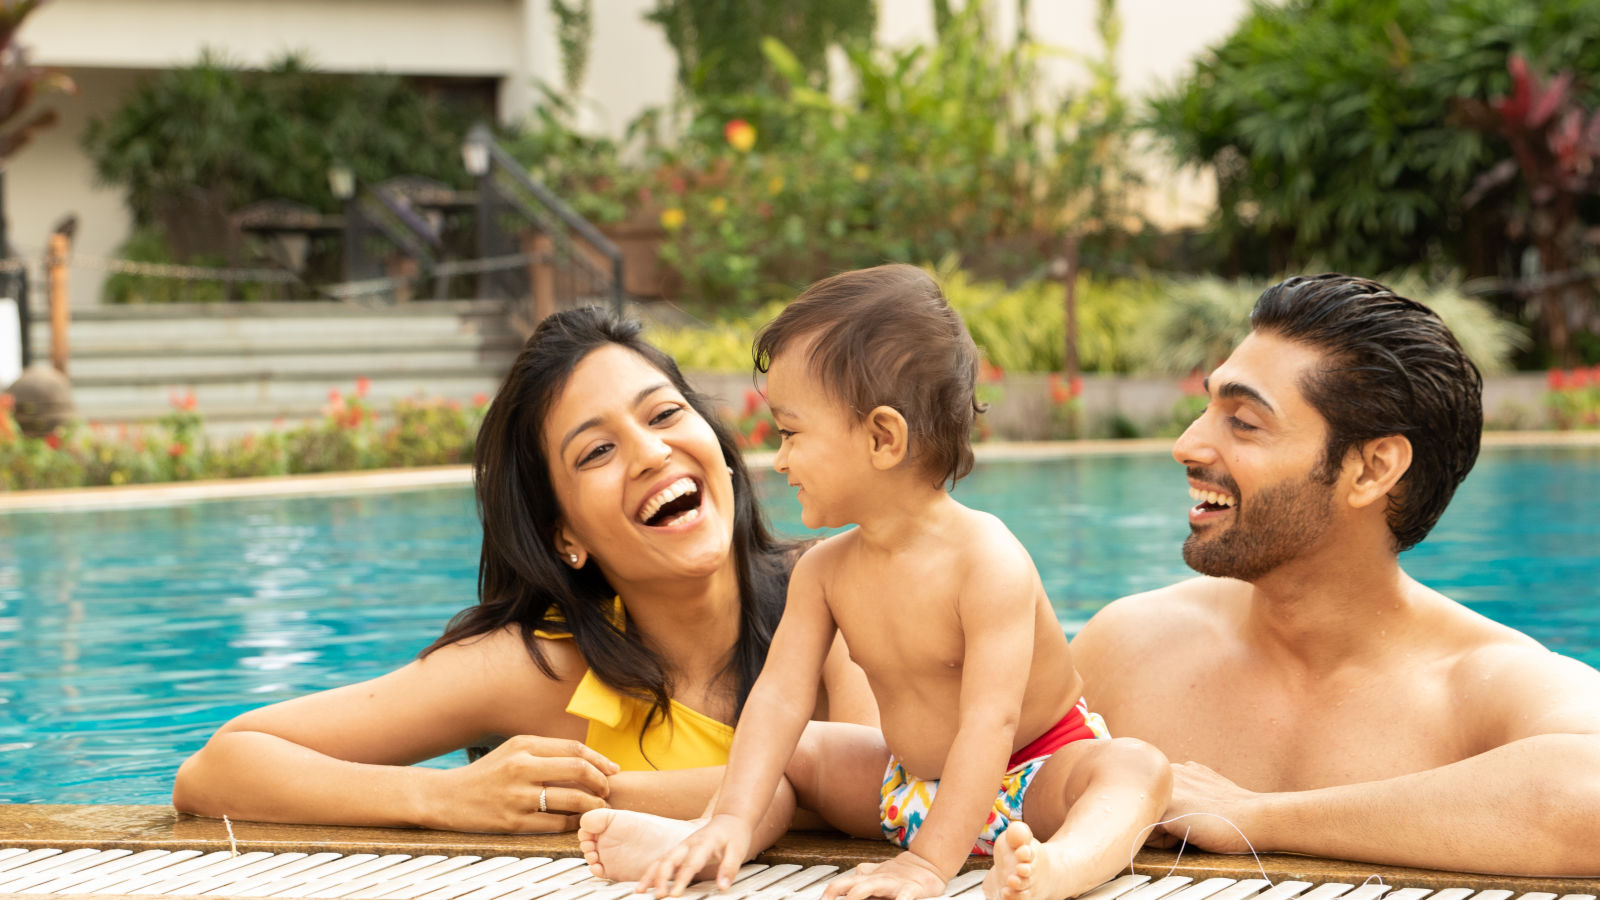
(640, 477)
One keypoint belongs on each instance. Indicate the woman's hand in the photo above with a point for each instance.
(528, 784)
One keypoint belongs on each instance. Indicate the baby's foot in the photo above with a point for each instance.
(620, 844)
(1026, 869)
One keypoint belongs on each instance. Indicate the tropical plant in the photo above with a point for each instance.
(20, 83)
(1574, 398)
(1555, 168)
(1334, 132)
(945, 148)
(717, 42)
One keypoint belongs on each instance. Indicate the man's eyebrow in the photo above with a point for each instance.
(587, 424)
(1233, 390)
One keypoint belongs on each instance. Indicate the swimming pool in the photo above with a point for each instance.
(127, 637)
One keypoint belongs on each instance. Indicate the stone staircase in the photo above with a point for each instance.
(251, 365)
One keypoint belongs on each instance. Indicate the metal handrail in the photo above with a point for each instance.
(507, 164)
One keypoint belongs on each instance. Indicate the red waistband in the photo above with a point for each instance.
(1072, 727)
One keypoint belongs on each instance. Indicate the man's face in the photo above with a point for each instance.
(1254, 460)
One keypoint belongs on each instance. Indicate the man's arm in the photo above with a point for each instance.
(1525, 806)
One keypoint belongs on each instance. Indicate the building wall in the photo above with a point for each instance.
(108, 44)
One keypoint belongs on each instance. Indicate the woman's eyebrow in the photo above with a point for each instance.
(586, 424)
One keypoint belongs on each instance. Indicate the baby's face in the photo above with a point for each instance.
(825, 453)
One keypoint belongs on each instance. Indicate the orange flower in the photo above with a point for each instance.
(7, 403)
(177, 449)
(741, 135)
(363, 384)
(53, 441)
(1578, 379)
(480, 399)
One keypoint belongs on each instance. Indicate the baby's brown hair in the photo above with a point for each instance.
(886, 336)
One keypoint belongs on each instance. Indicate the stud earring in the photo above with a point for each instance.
(573, 558)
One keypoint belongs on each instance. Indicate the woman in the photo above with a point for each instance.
(628, 589)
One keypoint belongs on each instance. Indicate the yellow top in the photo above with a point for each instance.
(685, 739)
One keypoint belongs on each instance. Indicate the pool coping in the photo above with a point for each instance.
(138, 828)
(427, 477)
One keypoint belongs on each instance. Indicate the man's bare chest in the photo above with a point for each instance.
(1268, 737)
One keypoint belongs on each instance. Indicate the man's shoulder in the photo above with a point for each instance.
(1154, 618)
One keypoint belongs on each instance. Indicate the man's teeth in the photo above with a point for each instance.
(668, 494)
(1211, 497)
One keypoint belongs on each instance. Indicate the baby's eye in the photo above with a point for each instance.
(594, 454)
(666, 415)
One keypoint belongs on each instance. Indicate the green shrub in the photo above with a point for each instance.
(232, 136)
(1334, 130)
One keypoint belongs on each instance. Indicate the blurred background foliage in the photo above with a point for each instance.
(1371, 136)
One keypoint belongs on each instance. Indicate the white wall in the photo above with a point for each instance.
(53, 177)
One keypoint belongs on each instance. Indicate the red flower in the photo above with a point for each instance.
(752, 401)
(7, 402)
(177, 449)
(363, 384)
(53, 441)
(1556, 380)
(1578, 379)
(741, 135)
(480, 399)
(759, 433)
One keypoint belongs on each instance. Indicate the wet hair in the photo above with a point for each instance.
(1390, 367)
(886, 336)
(521, 579)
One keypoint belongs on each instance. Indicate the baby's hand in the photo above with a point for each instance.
(906, 877)
(725, 838)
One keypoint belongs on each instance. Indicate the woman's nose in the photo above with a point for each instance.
(651, 452)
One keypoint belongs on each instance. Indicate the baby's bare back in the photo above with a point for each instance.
(953, 618)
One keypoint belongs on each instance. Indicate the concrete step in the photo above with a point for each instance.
(211, 367)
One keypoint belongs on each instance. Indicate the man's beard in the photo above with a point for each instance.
(1281, 523)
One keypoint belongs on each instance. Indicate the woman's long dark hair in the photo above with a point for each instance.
(522, 581)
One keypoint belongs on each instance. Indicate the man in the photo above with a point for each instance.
(1307, 690)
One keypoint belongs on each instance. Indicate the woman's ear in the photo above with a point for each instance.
(1378, 466)
(886, 430)
(569, 549)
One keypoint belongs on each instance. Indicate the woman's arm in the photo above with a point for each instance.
(344, 757)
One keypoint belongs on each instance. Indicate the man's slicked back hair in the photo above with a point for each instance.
(886, 336)
(1390, 367)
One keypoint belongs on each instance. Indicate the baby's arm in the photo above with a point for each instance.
(996, 609)
(774, 715)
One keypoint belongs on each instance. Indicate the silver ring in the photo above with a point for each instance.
(542, 807)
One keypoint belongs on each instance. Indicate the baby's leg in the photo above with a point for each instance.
(837, 772)
(620, 844)
(1092, 799)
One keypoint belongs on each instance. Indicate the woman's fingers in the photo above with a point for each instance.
(562, 747)
(568, 770)
(568, 800)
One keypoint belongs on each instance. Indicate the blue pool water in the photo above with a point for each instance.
(127, 637)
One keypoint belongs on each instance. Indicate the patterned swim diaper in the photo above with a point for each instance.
(905, 799)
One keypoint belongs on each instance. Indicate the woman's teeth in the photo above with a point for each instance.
(1211, 497)
(668, 494)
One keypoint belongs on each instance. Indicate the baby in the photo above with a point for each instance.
(985, 742)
